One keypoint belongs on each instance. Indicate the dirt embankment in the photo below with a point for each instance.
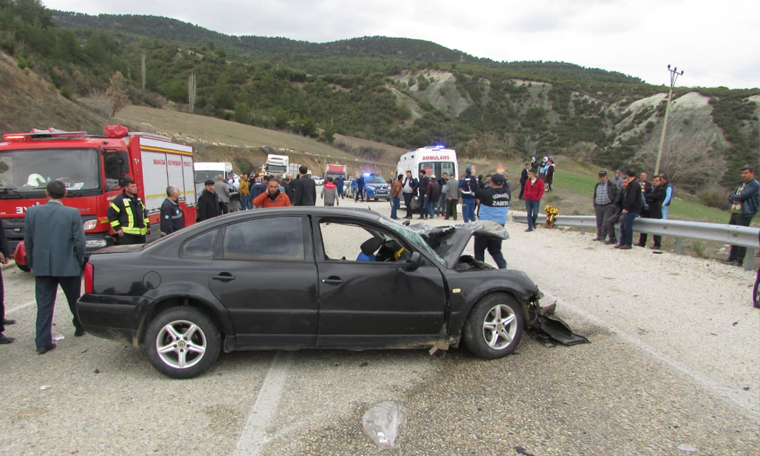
(27, 101)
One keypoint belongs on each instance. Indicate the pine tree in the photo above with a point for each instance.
(117, 93)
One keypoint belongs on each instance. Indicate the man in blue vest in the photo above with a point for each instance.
(468, 186)
(494, 205)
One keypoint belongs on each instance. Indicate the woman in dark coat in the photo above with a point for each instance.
(549, 175)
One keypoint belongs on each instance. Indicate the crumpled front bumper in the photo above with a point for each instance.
(545, 325)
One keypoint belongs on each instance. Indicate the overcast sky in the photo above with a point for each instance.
(716, 43)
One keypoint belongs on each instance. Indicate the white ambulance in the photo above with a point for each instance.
(435, 160)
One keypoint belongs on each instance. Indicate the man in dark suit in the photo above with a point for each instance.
(655, 196)
(290, 187)
(209, 205)
(632, 204)
(423, 192)
(306, 189)
(54, 241)
(4, 252)
(409, 189)
(524, 179)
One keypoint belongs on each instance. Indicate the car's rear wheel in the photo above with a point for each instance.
(494, 327)
(182, 342)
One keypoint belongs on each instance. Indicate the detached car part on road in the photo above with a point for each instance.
(292, 278)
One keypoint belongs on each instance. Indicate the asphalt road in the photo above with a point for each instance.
(662, 370)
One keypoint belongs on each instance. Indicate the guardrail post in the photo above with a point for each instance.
(749, 259)
(583, 231)
(679, 245)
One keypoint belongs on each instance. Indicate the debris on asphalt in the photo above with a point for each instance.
(58, 337)
(688, 448)
(44, 387)
(521, 450)
(381, 423)
(97, 371)
(547, 327)
(363, 363)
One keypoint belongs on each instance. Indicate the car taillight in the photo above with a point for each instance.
(89, 275)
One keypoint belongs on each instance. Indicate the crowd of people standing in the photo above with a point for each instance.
(623, 200)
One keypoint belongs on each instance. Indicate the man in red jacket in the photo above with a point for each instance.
(272, 197)
(534, 190)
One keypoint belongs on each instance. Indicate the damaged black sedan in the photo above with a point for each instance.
(292, 278)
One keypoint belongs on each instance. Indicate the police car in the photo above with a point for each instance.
(375, 187)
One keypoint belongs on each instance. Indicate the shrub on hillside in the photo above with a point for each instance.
(714, 196)
(144, 97)
(244, 165)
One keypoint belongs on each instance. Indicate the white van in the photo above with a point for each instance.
(435, 160)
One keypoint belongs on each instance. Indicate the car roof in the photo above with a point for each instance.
(364, 214)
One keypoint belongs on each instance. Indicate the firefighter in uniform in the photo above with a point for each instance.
(127, 215)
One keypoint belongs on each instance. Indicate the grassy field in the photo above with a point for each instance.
(192, 128)
(574, 179)
(573, 183)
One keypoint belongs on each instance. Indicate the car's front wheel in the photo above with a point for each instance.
(494, 326)
(182, 342)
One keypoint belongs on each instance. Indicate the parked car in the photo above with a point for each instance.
(375, 187)
(294, 278)
(319, 180)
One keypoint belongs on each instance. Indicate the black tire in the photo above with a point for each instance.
(206, 336)
(477, 336)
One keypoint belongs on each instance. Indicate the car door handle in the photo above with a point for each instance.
(224, 276)
(333, 280)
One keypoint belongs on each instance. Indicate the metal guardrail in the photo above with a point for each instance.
(741, 236)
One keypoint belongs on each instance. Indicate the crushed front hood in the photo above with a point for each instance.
(450, 241)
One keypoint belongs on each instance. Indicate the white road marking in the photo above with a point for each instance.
(254, 438)
(22, 306)
(707, 383)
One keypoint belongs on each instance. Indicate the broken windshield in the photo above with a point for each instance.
(413, 237)
(30, 170)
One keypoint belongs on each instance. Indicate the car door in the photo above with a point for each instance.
(264, 274)
(373, 303)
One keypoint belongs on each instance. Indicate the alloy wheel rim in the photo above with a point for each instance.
(499, 327)
(181, 344)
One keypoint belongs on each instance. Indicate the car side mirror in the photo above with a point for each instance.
(414, 262)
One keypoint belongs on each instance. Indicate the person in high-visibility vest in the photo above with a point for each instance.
(128, 216)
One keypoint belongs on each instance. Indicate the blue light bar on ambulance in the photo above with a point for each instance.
(366, 174)
(50, 133)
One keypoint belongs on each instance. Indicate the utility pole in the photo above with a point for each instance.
(673, 77)
(142, 71)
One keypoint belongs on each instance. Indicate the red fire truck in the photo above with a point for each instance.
(91, 167)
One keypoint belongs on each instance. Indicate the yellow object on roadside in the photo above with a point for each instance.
(551, 212)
